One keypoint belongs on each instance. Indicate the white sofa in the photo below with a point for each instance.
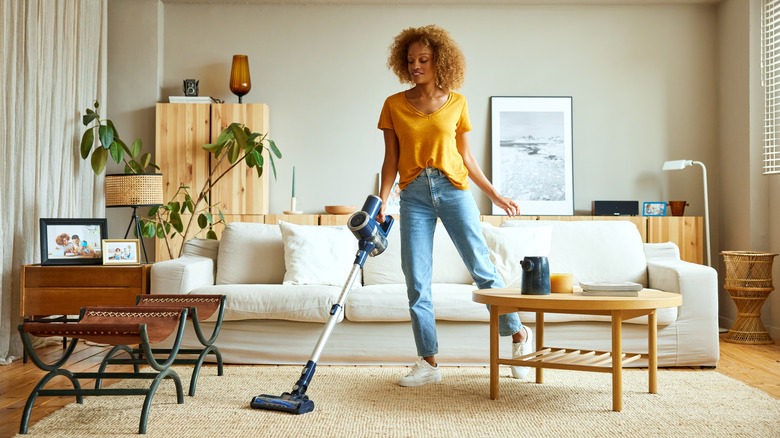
(281, 281)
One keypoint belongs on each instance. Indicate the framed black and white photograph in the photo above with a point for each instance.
(72, 241)
(532, 153)
(121, 252)
(654, 209)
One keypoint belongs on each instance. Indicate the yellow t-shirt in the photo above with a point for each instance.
(427, 140)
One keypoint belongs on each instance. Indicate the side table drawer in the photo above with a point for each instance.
(64, 290)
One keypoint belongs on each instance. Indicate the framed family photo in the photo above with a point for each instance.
(121, 252)
(654, 209)
(72, 241)
(531, 139)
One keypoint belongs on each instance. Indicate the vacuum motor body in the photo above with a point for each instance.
(366, 229)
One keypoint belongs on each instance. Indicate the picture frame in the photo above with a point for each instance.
(532, 156)
(654, 209)
(121, 252)
(72, 241)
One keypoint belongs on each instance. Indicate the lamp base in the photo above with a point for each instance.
(134, 218)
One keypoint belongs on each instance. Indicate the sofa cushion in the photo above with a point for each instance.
(250, 253)
(447, 264)
(509, 245)
(317, 254)
(304, 303)
(389, 302)
(594, 250)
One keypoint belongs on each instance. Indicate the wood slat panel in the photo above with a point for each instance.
(685, 231)
(240, 191)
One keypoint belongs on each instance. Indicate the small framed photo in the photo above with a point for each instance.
(393, 205)
(72, 241)
(120, 252)
(654, 209)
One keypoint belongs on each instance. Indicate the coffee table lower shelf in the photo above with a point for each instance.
(571, 359)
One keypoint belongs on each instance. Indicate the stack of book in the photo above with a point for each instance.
(610, 289)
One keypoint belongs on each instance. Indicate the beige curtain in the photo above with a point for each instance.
(54, 67)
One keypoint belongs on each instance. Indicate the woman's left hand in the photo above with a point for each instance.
(508, 205)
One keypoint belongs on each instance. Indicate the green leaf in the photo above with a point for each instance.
(128, 169)
(96, 104)
(149, 230)
(145, 159)
(89, 117)
(183, 207)
(153, 211)
(258, 157)
(160, 231)
(273, 165)
(136, 167)
(238, 133)
(99, 159)
(259, 171)
(250, 160)
(222, 218)
(86, 143)
(210, 147)
(233, 152)
(116, 152)
(113, 128)
(202, 221)
(136, 148)
(211, 235)
(188, 202)
(124, 146)
(274, 149)
(209, 218)
(106, 135)
(225, 135)
(176, 221)
(174, 206)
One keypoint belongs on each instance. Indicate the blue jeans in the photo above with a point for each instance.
(430, 196)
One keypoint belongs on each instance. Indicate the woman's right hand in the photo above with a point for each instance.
(380, 217)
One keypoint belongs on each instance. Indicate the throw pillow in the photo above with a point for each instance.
(318, 254)
(250, 253)
(508, 246)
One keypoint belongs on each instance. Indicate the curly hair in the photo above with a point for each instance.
(448, 61)
(62, 239)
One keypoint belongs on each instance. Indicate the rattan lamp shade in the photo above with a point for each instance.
(134, 189)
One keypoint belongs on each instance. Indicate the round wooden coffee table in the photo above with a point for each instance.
(502, 301)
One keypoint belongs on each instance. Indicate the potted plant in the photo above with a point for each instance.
(236, 143)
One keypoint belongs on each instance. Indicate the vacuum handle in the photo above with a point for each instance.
(386, 225)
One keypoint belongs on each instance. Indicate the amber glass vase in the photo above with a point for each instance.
(240, 83)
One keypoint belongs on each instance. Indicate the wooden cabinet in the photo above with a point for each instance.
(64, 290)
(181, 131)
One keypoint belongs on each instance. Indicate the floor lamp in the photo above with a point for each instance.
(682, 164)
(134, 190)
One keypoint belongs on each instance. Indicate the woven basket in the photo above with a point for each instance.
(749, 282)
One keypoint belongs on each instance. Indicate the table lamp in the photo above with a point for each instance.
(682, 164)
(134, 190)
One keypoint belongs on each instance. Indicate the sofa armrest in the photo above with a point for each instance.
(697, 317)
(182, 275)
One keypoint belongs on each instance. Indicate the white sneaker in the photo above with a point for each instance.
(421, 374)
(521, 349)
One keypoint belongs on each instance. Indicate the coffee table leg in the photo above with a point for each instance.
(617, 361)
(652, 351)
(539, 344)
(494, 352)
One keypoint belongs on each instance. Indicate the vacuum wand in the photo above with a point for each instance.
(372, 241)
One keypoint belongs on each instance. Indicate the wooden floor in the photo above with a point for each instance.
(755, 365)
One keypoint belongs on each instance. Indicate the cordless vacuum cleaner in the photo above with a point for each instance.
(372, 241)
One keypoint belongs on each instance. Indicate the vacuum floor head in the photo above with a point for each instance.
(292, 404)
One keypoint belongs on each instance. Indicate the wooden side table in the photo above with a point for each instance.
(64, 290)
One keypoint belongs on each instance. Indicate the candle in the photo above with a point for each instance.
(293, 183)
(561, 283)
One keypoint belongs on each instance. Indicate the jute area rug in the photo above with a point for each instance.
(366, 402)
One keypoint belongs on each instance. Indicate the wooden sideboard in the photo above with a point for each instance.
(685, 231)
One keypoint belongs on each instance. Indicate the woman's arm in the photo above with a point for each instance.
(389, 170)
(479, 178)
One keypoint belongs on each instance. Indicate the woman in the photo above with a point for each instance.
(426, 143)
